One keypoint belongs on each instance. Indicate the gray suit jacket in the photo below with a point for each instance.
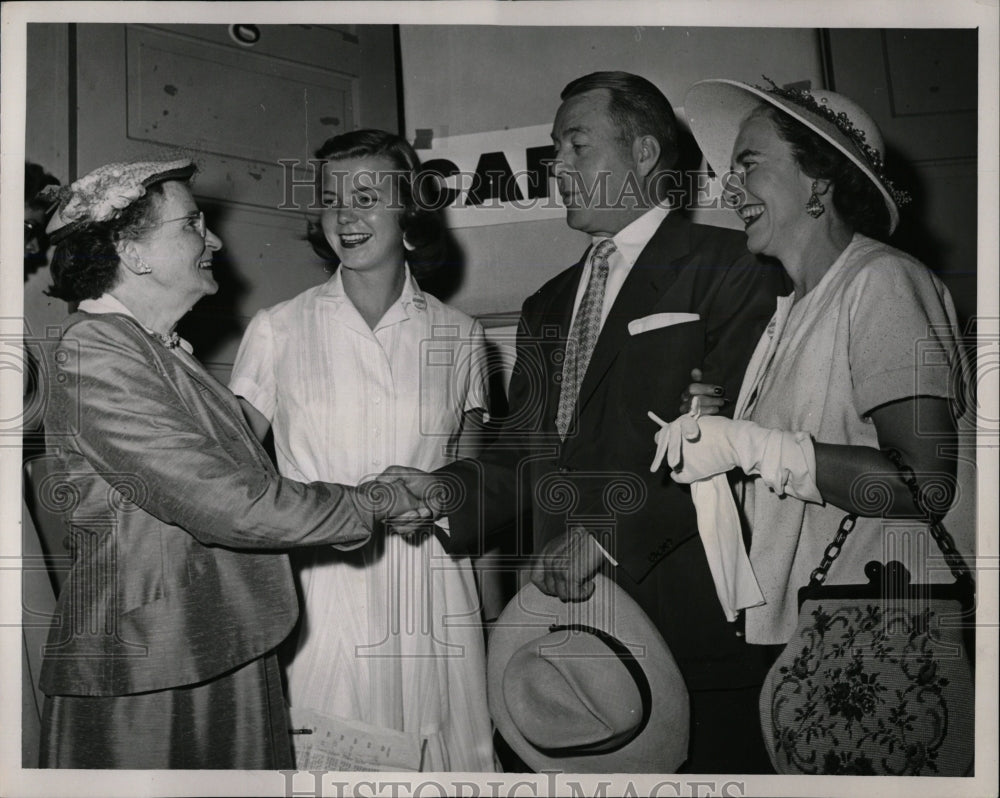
(176, 518)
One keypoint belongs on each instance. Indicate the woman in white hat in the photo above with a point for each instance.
(859, 360)
(161, 652)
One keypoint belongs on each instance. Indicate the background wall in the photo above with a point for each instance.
(921, 88)
(470, 79)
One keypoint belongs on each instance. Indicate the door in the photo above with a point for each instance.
(247, 103)
(921, 88)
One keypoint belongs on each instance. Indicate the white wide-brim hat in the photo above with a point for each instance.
(716, 108)
(586, 687)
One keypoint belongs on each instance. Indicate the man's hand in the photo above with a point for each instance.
(710, 399)
(389, 499)
(413, 508)
(566, 566)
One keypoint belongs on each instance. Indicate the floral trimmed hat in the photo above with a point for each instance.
(716, 109)
(104, 193)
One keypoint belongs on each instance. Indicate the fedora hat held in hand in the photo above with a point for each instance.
(586, 687)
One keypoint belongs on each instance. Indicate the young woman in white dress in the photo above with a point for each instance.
(354, 375)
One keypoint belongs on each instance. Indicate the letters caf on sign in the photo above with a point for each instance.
(497, 177)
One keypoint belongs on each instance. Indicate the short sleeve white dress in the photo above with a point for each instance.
(391, 634)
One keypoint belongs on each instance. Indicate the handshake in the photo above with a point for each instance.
(406, 500)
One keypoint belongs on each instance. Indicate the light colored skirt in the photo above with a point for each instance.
(392, 636)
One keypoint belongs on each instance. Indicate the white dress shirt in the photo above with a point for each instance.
(629, 242)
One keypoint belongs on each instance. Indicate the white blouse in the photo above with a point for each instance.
(346, 401)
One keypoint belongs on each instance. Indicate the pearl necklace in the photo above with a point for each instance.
(171, 341)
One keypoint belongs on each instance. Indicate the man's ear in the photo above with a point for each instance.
(646, 154)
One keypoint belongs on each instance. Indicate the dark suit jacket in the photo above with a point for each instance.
(599, 476)
(176, 517)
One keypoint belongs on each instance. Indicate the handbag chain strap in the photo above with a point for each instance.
(959, 569)
(832, 551)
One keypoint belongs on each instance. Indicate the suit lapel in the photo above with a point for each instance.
(194, 369)
(190, 366)
(184, 362)
(654, 272)
(182, 359)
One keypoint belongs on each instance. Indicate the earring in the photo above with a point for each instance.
(142, 267)
(814, 207)
(407, 245)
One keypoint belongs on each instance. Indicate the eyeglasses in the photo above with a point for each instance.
(196, 219)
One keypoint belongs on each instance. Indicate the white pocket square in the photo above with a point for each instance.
(657, 320)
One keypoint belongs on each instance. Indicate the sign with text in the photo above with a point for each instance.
(497, 177)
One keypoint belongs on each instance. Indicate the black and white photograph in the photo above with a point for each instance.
(499, 398)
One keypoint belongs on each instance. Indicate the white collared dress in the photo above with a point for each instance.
(391, 634)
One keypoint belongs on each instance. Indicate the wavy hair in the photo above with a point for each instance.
(85, 263)
(637, 108)
(421, 222)
(855, 198)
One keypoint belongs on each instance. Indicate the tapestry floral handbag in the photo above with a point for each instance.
(877, 678)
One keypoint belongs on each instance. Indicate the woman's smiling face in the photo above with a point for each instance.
(178, 248)
(770, 191)
(362, 212)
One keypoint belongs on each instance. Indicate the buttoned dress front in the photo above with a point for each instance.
(391, 634)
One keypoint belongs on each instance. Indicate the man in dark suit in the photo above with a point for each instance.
(571, 464)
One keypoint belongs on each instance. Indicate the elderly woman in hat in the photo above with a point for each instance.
(854, 374)
(160, 654)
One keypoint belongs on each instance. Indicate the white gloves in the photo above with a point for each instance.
(699, 448)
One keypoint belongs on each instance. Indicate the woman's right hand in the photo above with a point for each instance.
(712, 399)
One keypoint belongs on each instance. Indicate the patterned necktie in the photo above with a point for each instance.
(583, 335)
